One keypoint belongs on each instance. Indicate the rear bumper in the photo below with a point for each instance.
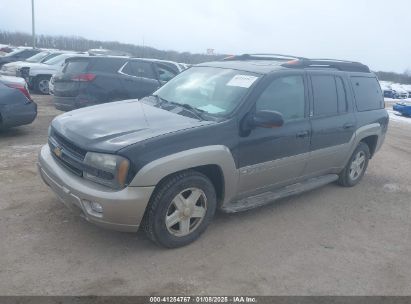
(18, 114)
(71, 103)
(122, 210)
(65, 103)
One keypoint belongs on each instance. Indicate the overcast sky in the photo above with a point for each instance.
(375, 32)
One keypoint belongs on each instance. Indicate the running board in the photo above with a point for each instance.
(270, 196)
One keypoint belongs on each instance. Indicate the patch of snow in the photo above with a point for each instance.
(396, 117)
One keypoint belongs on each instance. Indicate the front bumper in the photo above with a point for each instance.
(122, 210)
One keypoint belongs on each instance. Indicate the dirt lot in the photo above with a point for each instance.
(330, 241)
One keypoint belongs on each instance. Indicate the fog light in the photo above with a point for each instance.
(96, 207)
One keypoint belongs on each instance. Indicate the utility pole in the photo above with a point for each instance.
(33, 32)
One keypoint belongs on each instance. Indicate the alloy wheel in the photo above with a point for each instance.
(186, 212)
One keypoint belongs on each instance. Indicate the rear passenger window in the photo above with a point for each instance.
(325, 95)
(139, 69)
(368, 95)
(284, 95)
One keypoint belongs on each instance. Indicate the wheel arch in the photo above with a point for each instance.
(371, 141)
(215, 162)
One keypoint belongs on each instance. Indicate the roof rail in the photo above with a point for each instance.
(341, 65)
(274, 57)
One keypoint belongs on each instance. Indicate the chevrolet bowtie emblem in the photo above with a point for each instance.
(57, 151)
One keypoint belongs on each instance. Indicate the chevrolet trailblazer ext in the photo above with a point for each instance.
(229, 135)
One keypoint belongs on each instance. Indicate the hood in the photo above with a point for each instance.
(13, 66)
(113, 126)
(44, 67)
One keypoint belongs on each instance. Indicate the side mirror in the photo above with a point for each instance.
(266, 119)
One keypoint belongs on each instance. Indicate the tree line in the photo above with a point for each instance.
(81, 44)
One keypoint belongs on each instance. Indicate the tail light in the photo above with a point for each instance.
(22, 88)
(84, 77)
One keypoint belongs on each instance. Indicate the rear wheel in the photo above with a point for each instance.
(355, 169)
(41, 84)
(180, 209)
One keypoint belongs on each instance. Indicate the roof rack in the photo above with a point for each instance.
(301, 62)
(341, 65)
(275, 57)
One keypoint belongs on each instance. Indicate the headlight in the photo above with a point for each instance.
(106, 169)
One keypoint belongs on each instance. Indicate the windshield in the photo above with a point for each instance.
(57, 60)
(216, 91)
(14, 52)
(38, 57)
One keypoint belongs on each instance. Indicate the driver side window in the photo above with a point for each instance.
(284, 95)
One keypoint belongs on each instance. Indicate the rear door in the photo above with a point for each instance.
(107, 85)
(138, 78)
(332, 122)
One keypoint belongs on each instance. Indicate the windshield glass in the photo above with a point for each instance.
(14, 52)
(38, 57)
(216, 91)
(57, 60)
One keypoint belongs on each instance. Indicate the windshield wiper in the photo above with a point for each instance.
(196, 111)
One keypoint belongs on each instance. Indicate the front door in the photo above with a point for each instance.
(270, 157)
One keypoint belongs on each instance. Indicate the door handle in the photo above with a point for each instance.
(348, 126)
(302, 134)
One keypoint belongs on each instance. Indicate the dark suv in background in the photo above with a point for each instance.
(86, 81)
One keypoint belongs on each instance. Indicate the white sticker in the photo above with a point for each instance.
(212, 109)
(244, 81)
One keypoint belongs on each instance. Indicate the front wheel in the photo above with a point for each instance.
(180, 209)
(42, 84)
(355, 169)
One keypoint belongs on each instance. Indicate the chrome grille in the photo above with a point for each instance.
(66, 153)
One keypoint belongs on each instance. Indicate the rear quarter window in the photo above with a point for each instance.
(107, 65)
(75, 66)
(367, 92)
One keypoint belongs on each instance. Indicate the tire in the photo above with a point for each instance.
(41, 84)
(355, 169)
(170, 203)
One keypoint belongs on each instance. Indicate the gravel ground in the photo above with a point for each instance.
(330, 241)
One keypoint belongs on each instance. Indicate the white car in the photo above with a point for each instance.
(12, 68)
(38, 75)
(400, 92)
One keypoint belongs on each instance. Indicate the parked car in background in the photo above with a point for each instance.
(86, 81)
(398, 91)
(18, 55)
(16, 106)
(387, 90)
(38, 75)
(6, 48)
(12, 68)
(407, 87)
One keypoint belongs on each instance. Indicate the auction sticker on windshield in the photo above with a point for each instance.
(244, 81)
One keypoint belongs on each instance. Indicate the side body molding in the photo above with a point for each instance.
(153, 172)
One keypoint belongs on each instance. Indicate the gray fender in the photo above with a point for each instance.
(363, 132)
(218, 155)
